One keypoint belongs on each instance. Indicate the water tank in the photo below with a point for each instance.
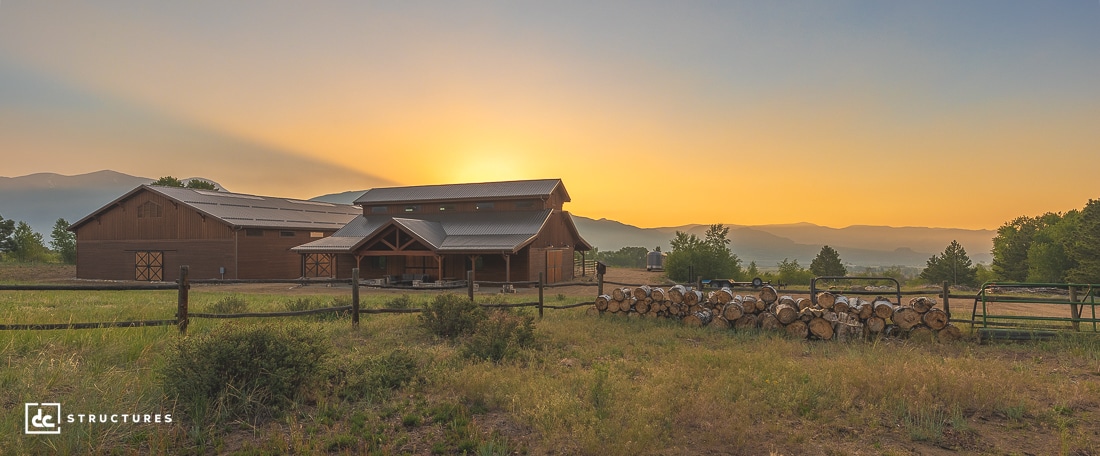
(655, 261)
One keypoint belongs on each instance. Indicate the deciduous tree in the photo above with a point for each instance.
(27, 244)
(63, 241)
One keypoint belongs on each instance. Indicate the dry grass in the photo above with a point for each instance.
(590, 385)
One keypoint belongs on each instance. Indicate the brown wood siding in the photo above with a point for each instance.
(176, 221)
(269, 256)
(115, 260)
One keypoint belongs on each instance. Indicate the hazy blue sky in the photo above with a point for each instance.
(957, 114)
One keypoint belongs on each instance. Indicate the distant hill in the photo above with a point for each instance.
(770, 244)
(40, 199)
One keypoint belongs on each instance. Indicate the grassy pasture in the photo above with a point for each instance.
(590, 386)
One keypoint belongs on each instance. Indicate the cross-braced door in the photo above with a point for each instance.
(149, 266)
(319, 265)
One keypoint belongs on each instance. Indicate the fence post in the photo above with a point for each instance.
(599, 284)
(470, 284)
(1074, 311)
(355, 297)
(181, 301)
(541, 283)
(946, 299)
(699, 283)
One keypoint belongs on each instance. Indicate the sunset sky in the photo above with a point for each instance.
(902, 113)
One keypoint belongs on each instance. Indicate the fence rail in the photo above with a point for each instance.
(183, 315)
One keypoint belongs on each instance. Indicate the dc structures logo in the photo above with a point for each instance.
(45, 420)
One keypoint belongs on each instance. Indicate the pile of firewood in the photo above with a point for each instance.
(833, 316)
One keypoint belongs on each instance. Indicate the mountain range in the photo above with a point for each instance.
(40, 199)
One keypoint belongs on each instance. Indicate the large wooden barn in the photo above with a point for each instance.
(150, 231)
(503, 231)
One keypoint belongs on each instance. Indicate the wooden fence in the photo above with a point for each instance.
(184, 316)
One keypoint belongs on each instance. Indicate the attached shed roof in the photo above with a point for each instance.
(444, 232)
(458, 192)
(250, 211)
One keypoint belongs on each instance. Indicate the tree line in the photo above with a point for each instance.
(1050, 248)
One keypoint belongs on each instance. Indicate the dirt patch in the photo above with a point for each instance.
(36, 273)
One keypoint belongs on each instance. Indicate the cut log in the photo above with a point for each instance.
(840, 305)
(757, 304)
(641, 306)
(865, 310)
(786, 313)
(613, 306)
(658, 294)
(693, 297)
(768, 294)
(921, 304)
(699, 318)
(642, 292)
(786, 300)
(906, 318)
(797, 329)
(620, 294)
(676, 293)
(884, 309)
(921, 333)
(747, 321)
(591, 311)
(935, 319)
(768, 321)
(949, 333)
(825, 299)
(875, 325)
(601, 302)
(724, 296)
(732, 311)
(821, 328)
(804, 303)
(719, 322)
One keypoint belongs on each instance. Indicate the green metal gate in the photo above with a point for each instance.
(1028, 310)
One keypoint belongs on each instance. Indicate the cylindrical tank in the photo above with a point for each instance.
(655, 261)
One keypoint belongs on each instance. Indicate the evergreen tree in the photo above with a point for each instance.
(63, 241)
(27, 244)
(953, 266)
(7, 227)
(827, 263)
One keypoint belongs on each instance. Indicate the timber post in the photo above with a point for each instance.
(541, 283)
(1074, 311)
(946, 299)
(699, 283)
(355, 297)
(599, 284)
(470, 284)
(181, 301)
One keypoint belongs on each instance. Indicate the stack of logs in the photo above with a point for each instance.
(834, 316)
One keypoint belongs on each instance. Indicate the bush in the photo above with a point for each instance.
(450, 315)
(500, 336)
(239, 372)
(229, 305)
(401, 302)
(374, 377)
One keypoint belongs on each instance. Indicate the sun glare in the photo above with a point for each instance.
(488, 166)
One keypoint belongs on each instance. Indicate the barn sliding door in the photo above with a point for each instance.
(319, 265)
(149, 266)
(553, 266)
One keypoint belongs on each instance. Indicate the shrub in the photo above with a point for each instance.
(500, 336)
(401, 302)
(248, 371)
(229, 305)
(450, 315)
(373, 378)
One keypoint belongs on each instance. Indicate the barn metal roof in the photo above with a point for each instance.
(456, 192)
(251, 211)
(443, 232)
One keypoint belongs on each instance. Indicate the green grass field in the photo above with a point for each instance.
(590, 385)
